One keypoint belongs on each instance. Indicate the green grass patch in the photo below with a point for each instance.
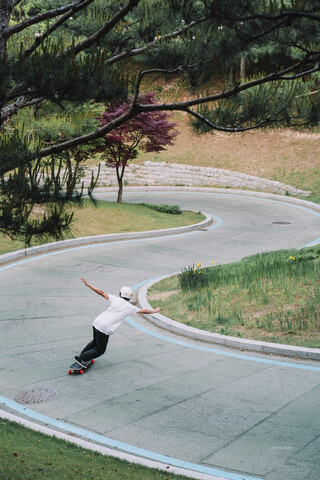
(29, 455)
(273, 296)
(112, 217)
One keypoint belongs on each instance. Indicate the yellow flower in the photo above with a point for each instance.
(199, 265)
(292, 258)
(212, 262)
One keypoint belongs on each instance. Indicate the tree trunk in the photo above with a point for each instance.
(120, 182)
(242, 69)
(119, 198)
(242, 75)
(5, 12)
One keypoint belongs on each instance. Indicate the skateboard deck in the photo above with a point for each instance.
(75, 368)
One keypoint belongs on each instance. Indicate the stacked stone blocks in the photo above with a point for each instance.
(161, 173)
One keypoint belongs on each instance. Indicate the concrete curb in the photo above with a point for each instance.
(225, 340)
(96, 239)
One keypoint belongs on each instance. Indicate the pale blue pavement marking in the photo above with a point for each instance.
(311, 244)
(109, 442)
(221, 352)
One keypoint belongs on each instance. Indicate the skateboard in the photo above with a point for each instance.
(75, 368)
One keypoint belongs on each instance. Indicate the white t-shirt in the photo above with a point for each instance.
(110, 319)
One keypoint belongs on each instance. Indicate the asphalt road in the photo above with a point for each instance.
(213, 410)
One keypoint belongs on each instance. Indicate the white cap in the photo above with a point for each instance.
(126, 292)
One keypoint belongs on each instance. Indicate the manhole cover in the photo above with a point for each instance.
(281, 223)
(37, 396)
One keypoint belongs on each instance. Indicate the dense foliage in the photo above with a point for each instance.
(60, 61)
(163, 208)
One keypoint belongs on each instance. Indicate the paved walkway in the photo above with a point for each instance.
(220, 412)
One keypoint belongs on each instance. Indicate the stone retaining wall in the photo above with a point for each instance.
(161, 173)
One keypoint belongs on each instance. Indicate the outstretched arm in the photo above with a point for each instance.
(97, 290)
(145, 310)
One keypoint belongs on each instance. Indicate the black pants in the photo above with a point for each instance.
(96, 347)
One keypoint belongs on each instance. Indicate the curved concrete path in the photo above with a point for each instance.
(212, 411)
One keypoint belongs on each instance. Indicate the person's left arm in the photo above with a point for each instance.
(147, 311)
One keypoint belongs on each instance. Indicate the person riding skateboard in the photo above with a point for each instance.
(108, 321)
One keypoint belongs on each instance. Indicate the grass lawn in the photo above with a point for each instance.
(109, 217)
(271, 297)
(29, 455)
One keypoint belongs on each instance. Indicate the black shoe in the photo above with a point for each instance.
(82, 363)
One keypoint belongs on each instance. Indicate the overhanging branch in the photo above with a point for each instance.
(98, 133)
(237, 129)
(56, 25)
(182, 106)
(98, 35)
(138, 51)
(75, 7)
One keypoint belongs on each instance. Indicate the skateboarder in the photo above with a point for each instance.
(105, 324)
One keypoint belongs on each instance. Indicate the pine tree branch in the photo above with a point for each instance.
(168, 36)
(102, 32)
(75, 6)
(15, 106)
(61, 21)
(265, 32)
(182, 106)
(309, 94)
(299, 75)
(283, 17)
(150, 72)
(213, 126)
(289, 15)
(98, 133)
(280, 75)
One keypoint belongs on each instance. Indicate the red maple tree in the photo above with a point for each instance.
(147, 131)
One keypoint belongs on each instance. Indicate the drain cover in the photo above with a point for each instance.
(281, 223)
(37, 396)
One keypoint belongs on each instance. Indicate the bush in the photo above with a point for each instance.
(172, 209)
(194, 277)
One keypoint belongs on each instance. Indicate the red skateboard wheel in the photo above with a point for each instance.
(92, 361)
(81, 372)
(69, 372)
